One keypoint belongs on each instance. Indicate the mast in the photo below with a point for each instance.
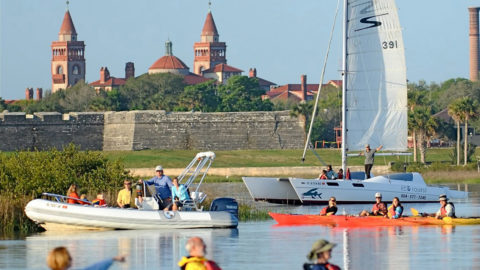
(344, 89)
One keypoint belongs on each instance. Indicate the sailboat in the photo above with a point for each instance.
(374, 111)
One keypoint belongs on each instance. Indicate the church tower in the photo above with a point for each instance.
(68, 56)
(209, 52)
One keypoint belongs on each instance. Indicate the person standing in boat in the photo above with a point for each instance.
(196, 260)
(331, 209)
(163, 186)
(320, 253)
(447, 208)
(369, 158)
(396, 209)
(125, 198)
(378, 209)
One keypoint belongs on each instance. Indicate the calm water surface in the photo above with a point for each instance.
(263, 245)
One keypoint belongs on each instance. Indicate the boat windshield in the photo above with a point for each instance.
(401, 176)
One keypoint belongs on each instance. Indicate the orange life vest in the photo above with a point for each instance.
(381, 206)
(73, 201)
(443, 211)
(392, 212)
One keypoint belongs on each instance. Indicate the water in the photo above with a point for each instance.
(263, 245)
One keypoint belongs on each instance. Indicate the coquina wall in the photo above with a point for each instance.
(137, 130)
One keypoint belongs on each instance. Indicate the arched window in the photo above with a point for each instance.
(59, 70)
(76, 70)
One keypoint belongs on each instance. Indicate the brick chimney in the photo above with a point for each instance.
(474, 68)
(104, 74)
(252, 73)
(303, 87)
(29, 93)
(39, 93)
(129, 70)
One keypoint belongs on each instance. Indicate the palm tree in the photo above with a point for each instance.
(469, 109)
(415, 98)
(424, 123)
(302, 110)
(455, 111)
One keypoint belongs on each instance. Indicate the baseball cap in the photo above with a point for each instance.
(159, 168)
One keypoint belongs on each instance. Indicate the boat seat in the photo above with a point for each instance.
(198, 197)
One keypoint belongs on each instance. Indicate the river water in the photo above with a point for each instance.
(264, 245)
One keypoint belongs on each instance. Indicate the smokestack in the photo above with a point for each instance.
(39, 93)
(129, 70)
(473, 43)
(304, 87)
(29, 93)
(252, 73)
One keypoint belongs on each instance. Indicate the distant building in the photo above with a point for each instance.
(172, 64)
(221, 72)
(68, 56)
(297, 92)
(108, 82)
(264, 84)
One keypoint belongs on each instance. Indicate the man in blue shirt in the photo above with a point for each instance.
(163, 186)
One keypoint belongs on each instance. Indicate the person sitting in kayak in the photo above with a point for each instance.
(396, 209)
(320, 253)
(378, 209)
(331, 209)
(447, 208)
(331, 173)
(323, 175)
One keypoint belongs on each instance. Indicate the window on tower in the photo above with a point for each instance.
(76, 70)
(59, 70)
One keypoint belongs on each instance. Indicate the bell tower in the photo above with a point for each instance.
(68, 56)
(209, 52)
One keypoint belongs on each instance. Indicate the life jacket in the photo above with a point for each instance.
(381, 206)
(323, 212)
(73, 201)
(443, 211)
(392, 212)
(323, 176)
(199, 263)
(340, 176)
(99, 202)
(312, 266)
(211, 265)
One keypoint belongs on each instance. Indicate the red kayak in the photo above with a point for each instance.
(292, 219)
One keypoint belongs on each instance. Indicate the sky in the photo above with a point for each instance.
(282, 39)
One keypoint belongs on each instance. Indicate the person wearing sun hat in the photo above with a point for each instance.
(447, 208)
(320, 253)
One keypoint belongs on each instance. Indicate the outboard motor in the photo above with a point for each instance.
(225, 204)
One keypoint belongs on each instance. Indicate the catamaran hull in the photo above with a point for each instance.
(409, 187)
(57, 215)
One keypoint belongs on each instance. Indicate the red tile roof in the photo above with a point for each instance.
(222, 68)
(112, 81)
(193, 78)
(67, 25)
(169, 62)
(209, 28)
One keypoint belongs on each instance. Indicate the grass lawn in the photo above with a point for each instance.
(259, 158)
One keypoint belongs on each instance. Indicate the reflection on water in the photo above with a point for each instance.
(262, 245)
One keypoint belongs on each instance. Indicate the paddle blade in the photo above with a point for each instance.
(447, 220)
(414, 212)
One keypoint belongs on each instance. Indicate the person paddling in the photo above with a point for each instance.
(447, 208)
(378, 209)
(331, 209)
(320, 253)
(396, 209)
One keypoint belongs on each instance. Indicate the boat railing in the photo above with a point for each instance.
(63, 198)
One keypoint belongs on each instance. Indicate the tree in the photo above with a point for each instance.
(421, 119)
(415, 98)
(465, 109)
(242, 93)
(455, 111)
(303, 110)
(199, 97)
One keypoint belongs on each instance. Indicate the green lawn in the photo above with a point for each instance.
(258, 158)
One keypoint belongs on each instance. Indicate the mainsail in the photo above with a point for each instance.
(375, 79)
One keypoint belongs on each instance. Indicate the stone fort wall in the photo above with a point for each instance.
(138, 130)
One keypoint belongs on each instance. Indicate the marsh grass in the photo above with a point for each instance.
(246, 212)
(12, 216)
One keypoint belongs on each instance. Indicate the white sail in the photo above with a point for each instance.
(376, 84)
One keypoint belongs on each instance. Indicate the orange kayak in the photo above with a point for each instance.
(370, 221)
